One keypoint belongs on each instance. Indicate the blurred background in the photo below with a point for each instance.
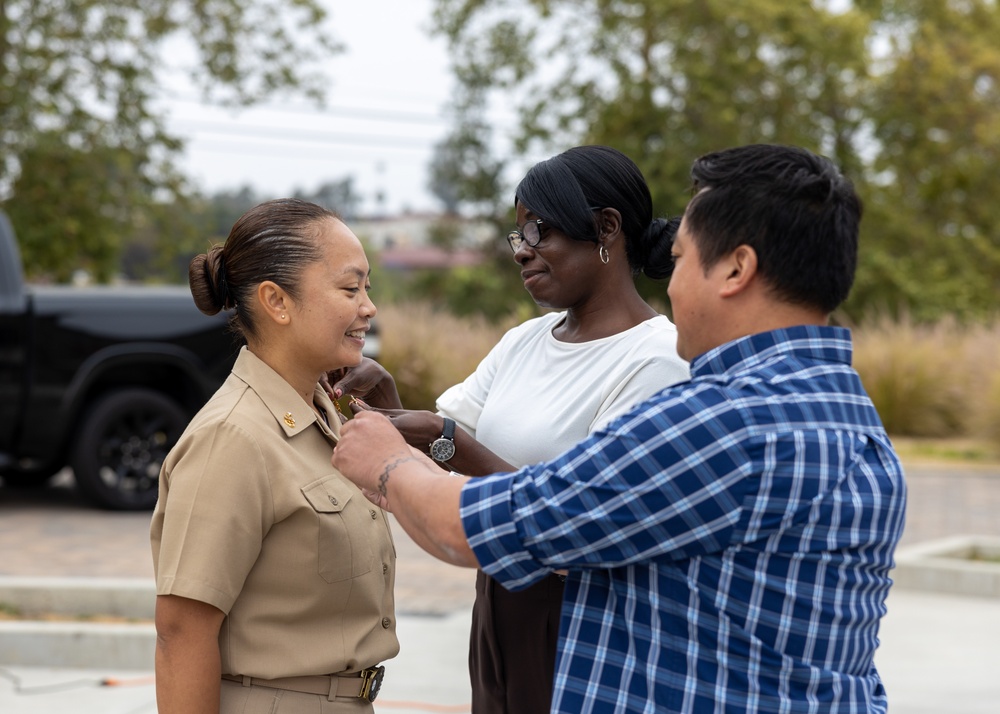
(132, 135)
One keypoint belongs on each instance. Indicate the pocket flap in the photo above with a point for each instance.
(329, 494)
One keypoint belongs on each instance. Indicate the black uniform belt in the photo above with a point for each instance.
(364, 684)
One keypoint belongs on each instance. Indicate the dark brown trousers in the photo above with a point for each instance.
(512, 652)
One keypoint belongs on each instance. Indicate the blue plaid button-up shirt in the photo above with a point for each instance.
(729, 541)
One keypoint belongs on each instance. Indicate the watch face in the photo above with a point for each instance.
(442, 449)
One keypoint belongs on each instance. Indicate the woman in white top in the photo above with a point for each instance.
(585, 231)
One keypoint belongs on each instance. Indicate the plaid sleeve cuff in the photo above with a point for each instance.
(488, 521)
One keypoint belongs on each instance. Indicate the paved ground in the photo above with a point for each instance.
(939, 653)
(51, 532)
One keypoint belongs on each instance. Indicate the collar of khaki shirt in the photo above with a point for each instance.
(289, 410)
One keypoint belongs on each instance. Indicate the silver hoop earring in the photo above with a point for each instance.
(603, 252)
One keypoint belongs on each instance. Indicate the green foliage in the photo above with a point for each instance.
(216, 214)
(74, 208)
(85, 71)
(446, 233)
(339, 196)
(463, 170)
(903, 94)
(933, 223)
(491, 290)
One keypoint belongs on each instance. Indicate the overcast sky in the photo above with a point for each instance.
(386, 104)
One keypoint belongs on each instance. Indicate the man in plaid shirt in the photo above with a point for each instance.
(729, 541)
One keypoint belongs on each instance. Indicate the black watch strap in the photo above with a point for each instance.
(443, 448)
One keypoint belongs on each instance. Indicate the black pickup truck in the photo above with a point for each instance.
(101, 379)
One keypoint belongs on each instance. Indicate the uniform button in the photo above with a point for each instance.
(333, 500)
(386, 622)
(385, 568)
(374, 515)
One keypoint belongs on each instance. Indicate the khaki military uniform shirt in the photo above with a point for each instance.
(254, 520)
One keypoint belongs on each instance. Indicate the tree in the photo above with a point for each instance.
(467, 177)
(171, 234)
(78, 77)
(463, 170)
(339, 196)
(74, 207)
(903, 94)
(664, 80)
(933, 221)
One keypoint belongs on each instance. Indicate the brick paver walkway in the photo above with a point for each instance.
(51, 533)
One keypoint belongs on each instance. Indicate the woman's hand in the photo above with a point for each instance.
(368, 381)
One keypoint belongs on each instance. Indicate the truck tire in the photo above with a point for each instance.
(124, 438)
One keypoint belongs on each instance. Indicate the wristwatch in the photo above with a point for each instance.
(443, 448)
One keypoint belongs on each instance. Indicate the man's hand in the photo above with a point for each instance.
(424, 498)
(369, 450)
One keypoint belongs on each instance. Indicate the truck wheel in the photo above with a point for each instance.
(123, 441)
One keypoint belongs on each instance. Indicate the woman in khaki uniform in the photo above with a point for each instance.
(274, 574)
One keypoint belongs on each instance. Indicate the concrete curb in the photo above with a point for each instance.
(89, 645)
(35, 643)
(941, 566)
(119, 597)
(947, 566)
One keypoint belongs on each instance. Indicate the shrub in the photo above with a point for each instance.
(930, 380)
(427, 350)
(940, 380)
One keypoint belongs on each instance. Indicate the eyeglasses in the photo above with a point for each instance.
(530, 233)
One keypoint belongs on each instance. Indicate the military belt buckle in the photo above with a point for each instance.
(371, 682)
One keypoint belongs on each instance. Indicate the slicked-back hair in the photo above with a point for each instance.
(794, 208)
(275, 241)
(564, 190)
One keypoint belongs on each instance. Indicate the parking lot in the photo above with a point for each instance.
(938, 652)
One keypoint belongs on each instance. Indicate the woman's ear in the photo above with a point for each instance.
(274, 302)
(609, 223)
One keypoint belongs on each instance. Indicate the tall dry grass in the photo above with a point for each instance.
(940, 380)
(428, 350)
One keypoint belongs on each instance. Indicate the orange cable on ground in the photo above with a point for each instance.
(116, 682)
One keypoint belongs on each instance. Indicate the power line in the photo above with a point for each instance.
(366, 113)
(250, 150)
(297, 136)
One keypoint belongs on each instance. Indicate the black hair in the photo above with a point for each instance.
(794, 208)
(274, 241)
(564, 190)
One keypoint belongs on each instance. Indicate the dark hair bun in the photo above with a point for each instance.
(206, 274)
(656, 242)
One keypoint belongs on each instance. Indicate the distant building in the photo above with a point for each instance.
(404, 243)
(424, 257)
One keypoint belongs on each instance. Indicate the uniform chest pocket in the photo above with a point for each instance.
(344, 529)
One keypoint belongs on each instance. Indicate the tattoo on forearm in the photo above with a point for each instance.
(383, 480)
